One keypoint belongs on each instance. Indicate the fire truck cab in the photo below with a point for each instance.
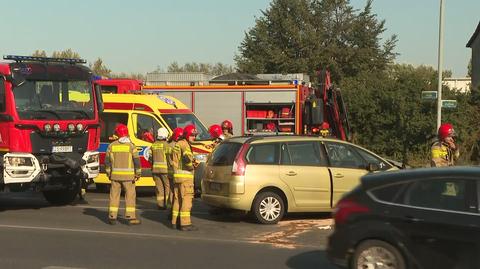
(145, 114)
(49, 131)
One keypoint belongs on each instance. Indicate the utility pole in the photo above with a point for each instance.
(440, 65)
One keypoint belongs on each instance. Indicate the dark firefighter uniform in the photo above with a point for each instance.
(160, 150)
(122, 166)
(183, 168)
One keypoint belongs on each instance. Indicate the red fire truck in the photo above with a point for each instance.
(262, 107)
(49, 126)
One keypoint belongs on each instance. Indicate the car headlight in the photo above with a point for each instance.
(93, 158)
(71, 127)
(47, 127)
(201, 157)
(79, 127)
(56, 127)
(19, 161)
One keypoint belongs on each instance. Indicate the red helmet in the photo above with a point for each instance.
(226, 124)
(121, 130)
(177, 133)
(215, 131)
(446, 130)
(189, 130)
(325, 125)
(148, 136)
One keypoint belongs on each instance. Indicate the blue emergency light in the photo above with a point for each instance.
(19, 58)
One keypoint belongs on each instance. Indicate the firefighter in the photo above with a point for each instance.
(183, 167)
(444, 151)
(325, 129)
(158, 159)
(217, 135)
(176, 135)
(227, 128)
(122, 166)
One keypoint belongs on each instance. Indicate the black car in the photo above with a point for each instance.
(423, 218)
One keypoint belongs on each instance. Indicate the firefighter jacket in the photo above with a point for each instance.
(121, 161)
(443, 155)
(182, 162)
(158, 158)
(228, 135)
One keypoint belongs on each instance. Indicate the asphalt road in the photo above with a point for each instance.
(34, 234)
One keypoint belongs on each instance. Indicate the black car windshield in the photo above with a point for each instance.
(182, 120)
(60, 100)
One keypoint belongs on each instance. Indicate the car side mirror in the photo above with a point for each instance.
(372, 167)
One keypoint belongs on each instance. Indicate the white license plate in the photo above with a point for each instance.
(62, 149)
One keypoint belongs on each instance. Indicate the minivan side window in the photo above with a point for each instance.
(108, 123)
(373, 159)
(344, 156)
(302, 153)
(263, 154)
(446, 194)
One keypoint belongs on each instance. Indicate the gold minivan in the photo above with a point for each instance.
(272, 175)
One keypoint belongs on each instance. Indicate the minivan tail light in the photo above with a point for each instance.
(345, 208)
(240, 164)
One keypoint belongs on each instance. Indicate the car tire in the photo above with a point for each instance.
(372, 253)
(268, 208)
(61, 197)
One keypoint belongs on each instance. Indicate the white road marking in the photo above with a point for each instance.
(58, 229)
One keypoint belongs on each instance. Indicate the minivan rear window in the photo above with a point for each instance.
(225, 154)
(263, 154)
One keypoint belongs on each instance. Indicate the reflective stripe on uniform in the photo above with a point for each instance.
(113, 209)
(184, 214)
(439, 153)
(120, 148)
(123, 173)
(160, 165)
(175, 213)
(177, 175)
(130, 209)
(157, 146)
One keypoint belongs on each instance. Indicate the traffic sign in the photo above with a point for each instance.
(429, 95)
(449, 103)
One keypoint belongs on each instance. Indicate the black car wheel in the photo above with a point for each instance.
(377, 254)
(268, 208)
(61, 197)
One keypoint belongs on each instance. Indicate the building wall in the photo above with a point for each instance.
(458, 84)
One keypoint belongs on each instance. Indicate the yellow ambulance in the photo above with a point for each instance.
(146, 114)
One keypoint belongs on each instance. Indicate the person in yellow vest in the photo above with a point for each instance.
(122, 166)
(177, 133)
(183, 169)
(216, 133)
(444, 151)
(158, 159)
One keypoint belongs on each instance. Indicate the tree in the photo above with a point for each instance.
(303, 35)
(99, 68)
(39, 53)
(211, 69)
(68, 53)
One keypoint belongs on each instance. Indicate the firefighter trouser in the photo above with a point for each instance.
(182, 202)
(130, 196)
(162, 190)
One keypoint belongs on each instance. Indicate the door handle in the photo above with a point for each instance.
(291, 173)
(338, 175)
(412, 219)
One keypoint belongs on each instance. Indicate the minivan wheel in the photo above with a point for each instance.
(268, 208)
(377, 254)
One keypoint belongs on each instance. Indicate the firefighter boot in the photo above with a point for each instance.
(188, 228)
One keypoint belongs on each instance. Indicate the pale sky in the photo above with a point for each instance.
(137, 36)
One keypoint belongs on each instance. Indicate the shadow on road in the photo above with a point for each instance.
(310, 259)
(99, 214)
(160, 216)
